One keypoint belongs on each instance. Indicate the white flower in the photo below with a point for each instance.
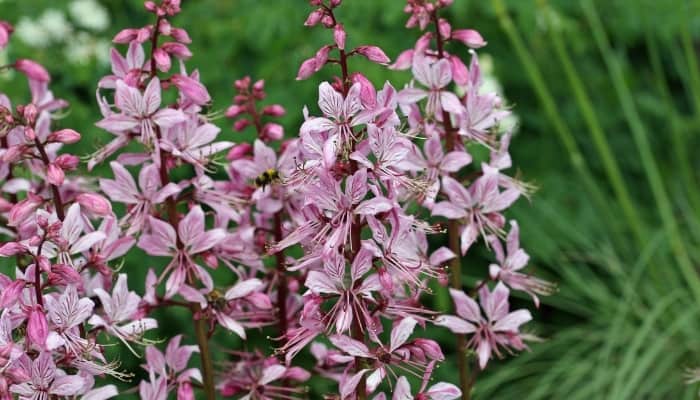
(55, 24)
(89, 14)
(51, 27)
(31, 33)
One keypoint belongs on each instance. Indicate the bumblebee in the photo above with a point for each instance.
(266, 178)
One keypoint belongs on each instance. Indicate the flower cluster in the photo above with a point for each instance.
(320, 238)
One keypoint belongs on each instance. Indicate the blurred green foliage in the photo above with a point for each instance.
(609, 134)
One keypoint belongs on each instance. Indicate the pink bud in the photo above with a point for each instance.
(29, 133)
(67, 162)
(30, 112)
(272, 131)
(423, 42)
(403, 61)
(430, 347)
(469, 37)
(185, 392)
(335, 3)
(37, 327)
(445, 28)
(368, 96)
(314, 18)
(239, 151)
(235, 110)
(242, 84)
(162, 59)
(165, 28)
(460, 73)
(144, 34)
(339, 36)
(241, 124)
(327, 21)
(125, 36)
(14, 153)
(150, 6)
(180, 35)
(10, 249)
(259, 85)
(94, 203)
(374, 54)
(274, 110)
(43, 262)
(260, 300)
(307, 68)
(191, 88)
(32, 70)
(5, 32)
(55, 174)
(67, 136)
(62, 274)
(178, 50)
(22, 210)
(322, 56)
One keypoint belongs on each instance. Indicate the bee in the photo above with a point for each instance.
(266, 178)
(216, 299)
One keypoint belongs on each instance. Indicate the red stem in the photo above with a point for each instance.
(465, 381)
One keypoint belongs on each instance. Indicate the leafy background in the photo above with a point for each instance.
(608, 99)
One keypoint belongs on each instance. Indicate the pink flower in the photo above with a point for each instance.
(66, 313)
(338, 114)
(438, 391)
(499, 329)
(435, 76)
(5, 32)
(162, 240)
(140, 203)
(119, 311)
(140, 111)
(513, 261)
(32, 69)
(45, 381)
(174, 363)
(192, 142)
(128, 69)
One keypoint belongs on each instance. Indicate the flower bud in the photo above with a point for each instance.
(94, 203)
(29, 113)
(10, 249)
(66, 136)
(185, 392)
(242, 84)
(55, 174)
(178, 50)
(460, 73)
(241, 124)
(22, 210)
(272, 131)
(259, 85)
(274, 110)
(29, 133)
(335, 3)
(5, 32)
(374, 54)
(238, 151)
(469, 37)
(327, 21)
(11, 293)
(368, 96)
(125, 36)
(339, 36)
(37, 327)
(322, 56)
(162, 59)
(43, 263)
(150, 6)
(307, 68)
(235, 110)
(444, 28)
(314, 18)
(62, 274)
(32, 70)
(180, 35)
(191, 88)
(67, 162)
(143, 34)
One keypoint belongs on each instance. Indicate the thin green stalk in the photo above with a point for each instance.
(678, 142)
(600, 141)
(545, 97)
(639, 135)
(691, 59)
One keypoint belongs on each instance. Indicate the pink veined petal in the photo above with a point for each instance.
(374, 206)
(433, 150)
(441, 255)
(117, 123)
(265, 157)
(349, 384)
(168, 117)
(207, 240)
(356, 186)
(375, 378)
(421, 71)
(272, 373)
(513, 240)
(350, 346)
(444, 391)
(135, 55)
(243, 288)
(317, 124)
(175, 281)
(455, 324)
(401, 332)
(161, 240)
(191, 227)
(231, 324)
(448, 210)
(465, 306)
(320, 283)
(495, 303)
(450, 103)
(128, 99)
(167, 191)
(352, 103)
(468, 236)
(402, 390)
(457, 193)
(101, 393)
(411, 95)
(441, 74)
(151, 97)
(512, 321)
(155, 359)
(330, 101)
(67, 385)
(86, 241)
(204, 134)
(119, 64)
(484, 353)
